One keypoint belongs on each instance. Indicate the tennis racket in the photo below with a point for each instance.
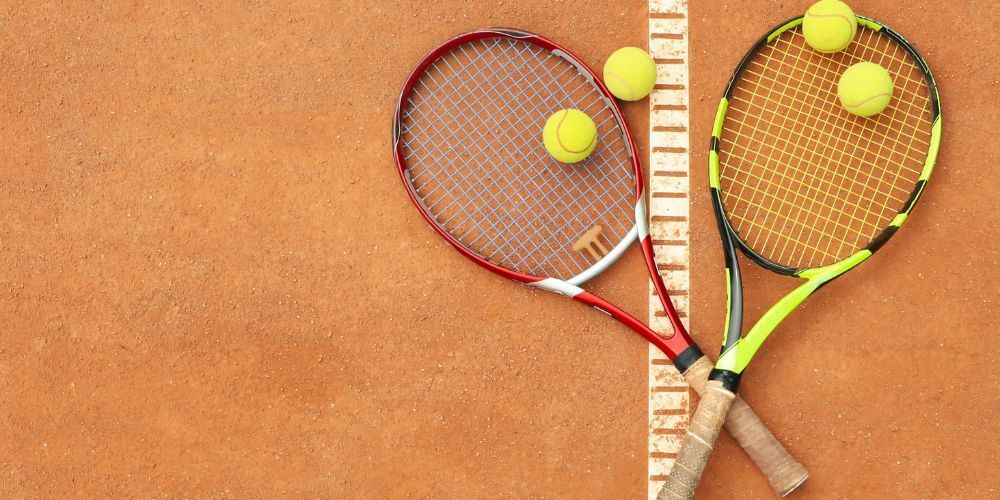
(467, 142)
(804, 188)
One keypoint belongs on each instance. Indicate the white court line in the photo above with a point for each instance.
(669, 168)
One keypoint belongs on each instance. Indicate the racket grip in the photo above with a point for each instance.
(701, 435)
(781, 469)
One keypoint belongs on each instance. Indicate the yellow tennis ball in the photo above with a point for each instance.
(569, 135)
(630, 73)
(865, 89)
(829, 26)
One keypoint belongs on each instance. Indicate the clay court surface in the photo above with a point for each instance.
(213, 285)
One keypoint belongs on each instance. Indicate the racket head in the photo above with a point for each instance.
(798, 182)
(467, 143)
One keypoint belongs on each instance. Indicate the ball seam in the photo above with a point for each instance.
(866, 101)
(623, 81)
(559, 136)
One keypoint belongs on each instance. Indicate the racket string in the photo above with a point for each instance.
(829, 103)
(805, 183)
(545, 244)
(912, 106)
(471, 138)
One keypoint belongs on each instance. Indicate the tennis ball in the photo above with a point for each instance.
(865, 89)
(569, 135)
(630, 73)
(829, 26)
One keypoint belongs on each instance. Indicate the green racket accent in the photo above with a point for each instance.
(869, 23)
(713, 154)
(720, 118)
(783, 28)
(738, 356)
(932, 153)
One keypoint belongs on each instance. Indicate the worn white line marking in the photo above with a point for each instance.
(669, 187)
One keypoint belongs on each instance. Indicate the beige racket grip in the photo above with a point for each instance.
(781, 469)
(701, 435)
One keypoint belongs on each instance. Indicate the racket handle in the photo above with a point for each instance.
(781, 469)
(701, 435)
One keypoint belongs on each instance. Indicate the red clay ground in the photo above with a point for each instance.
(214, 285)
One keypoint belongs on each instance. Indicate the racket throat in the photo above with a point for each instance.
(729, 380)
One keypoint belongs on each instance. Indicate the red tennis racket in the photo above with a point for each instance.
(467, 141)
